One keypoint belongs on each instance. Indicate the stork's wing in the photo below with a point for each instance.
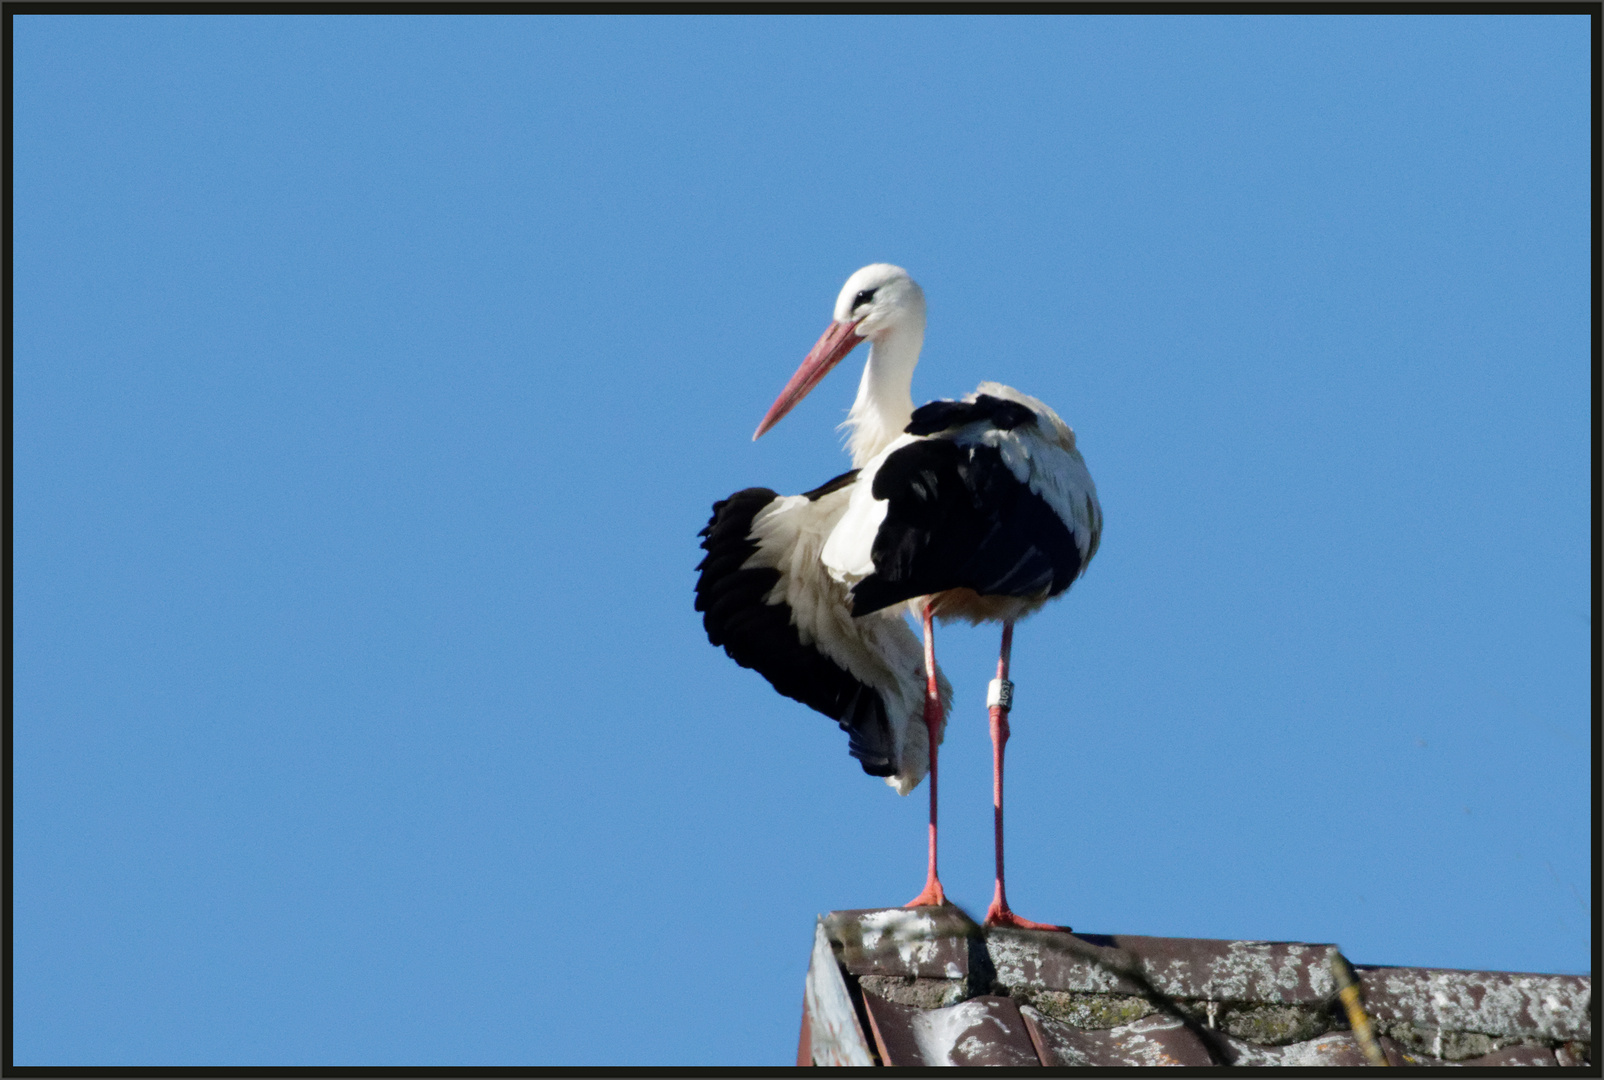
(772, 606)
(987, 494)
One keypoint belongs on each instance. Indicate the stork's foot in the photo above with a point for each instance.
(999, 915)
(932, 896)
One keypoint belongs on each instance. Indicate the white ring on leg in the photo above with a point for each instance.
(1000, 692)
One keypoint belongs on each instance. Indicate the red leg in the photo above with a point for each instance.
(1001, 698)
(932, 896)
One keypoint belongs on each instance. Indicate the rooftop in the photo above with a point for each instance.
(927, 986)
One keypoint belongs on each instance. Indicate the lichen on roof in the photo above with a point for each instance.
(924, 976)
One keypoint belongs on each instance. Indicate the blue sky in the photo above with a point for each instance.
(373, 377)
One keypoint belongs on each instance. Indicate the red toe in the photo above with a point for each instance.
(1001, 916)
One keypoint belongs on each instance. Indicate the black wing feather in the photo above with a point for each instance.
(762, 636)
(958, 518)
(938, 416)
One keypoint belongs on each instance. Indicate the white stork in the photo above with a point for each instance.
(980, 509)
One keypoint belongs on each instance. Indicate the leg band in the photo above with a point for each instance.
(1000, 692)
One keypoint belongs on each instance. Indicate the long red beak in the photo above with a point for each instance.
(840, 339)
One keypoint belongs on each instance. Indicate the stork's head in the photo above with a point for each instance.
(877, 303)
(878, 299)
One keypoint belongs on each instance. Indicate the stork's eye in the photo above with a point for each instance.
(863, 298)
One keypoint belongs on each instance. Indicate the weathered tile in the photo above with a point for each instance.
(1539, 1007)
(927, 943)
(1516, 1055)
(1339, 1048)
(1154, 1040)
(1277, 972)
(833, 1029)
(985, 1030)
(892, 1026)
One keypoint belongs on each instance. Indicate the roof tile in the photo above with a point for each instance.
(985, 1030)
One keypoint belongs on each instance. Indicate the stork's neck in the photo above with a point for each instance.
(885, 398)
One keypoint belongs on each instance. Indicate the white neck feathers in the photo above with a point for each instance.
(885, 395)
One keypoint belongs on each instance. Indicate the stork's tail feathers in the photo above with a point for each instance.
(916, 740)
